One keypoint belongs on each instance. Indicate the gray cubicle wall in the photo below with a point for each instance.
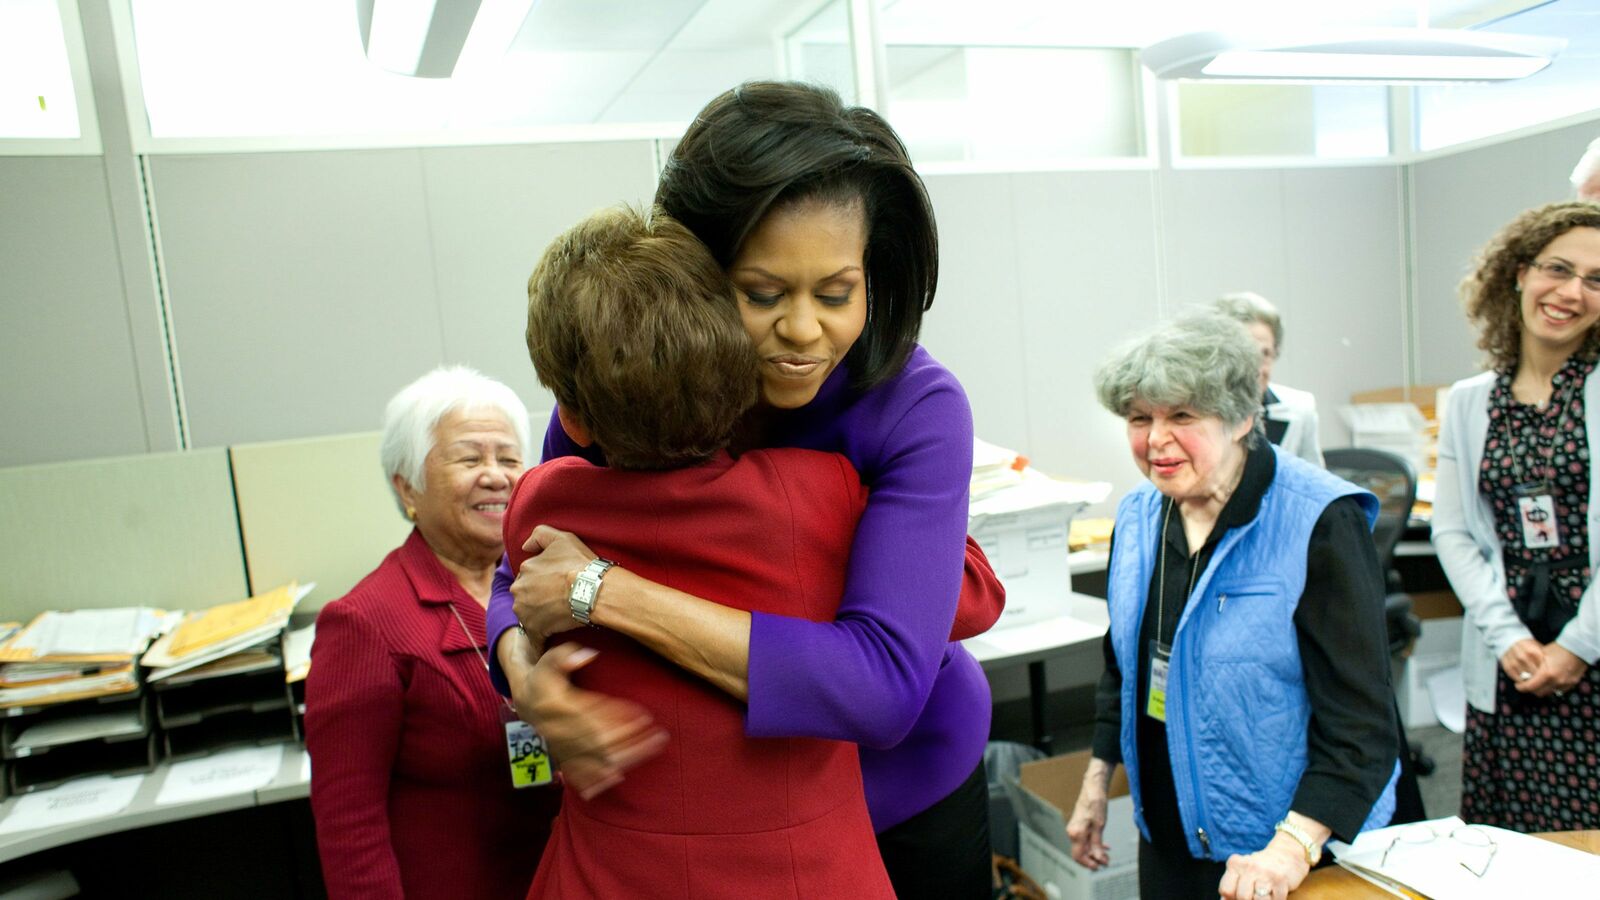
(71, 386)
(1043, 273)
(306, 288)
(152, 530)
(1458, 203)
(315, 510)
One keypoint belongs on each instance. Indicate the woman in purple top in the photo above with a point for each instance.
(828, 236)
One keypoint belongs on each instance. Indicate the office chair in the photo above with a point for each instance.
(1392, 479)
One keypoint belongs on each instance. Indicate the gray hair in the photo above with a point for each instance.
(412, 414)
(1588, 165)
(1202, 360)
(1249, 307)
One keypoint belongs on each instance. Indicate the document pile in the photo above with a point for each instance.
(64, 656)
(994, 468)
(1020, 517)
(1447, 859)
(234, 637)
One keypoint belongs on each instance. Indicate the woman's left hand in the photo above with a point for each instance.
(1268, 873)
(544, 581)
(1560, 672)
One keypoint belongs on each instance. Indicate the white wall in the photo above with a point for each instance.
(1458, 203)
(1042, 274)
(306, 288)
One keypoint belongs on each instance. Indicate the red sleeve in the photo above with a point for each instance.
(354, 705)
(983, 597)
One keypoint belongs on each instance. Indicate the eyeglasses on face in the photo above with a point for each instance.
(1465, 835)
(1560, 272)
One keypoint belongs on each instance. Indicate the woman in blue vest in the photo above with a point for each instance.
(1247, 675)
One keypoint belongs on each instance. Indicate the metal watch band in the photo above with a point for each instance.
(1313, 851)
(586, 587)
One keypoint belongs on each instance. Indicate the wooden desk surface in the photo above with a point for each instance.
(1334, 883)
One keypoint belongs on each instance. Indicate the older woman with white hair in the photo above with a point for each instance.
(410, 781)
(1289, 417)
(1246, 686)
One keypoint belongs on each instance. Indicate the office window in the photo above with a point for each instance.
(1453, 114)
(37, 90)
(987, 104)
(1282, 120)
(295, 69)
(819, 50)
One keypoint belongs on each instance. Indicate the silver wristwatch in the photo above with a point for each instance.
(586, 587)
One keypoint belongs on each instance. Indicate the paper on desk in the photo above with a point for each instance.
(220, 774)
(1449, 698)
(1521, 865)
(75, 801)
(1037, 489)
(90, 632)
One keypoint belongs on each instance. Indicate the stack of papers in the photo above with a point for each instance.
(994, 468)
(297, 653)
(1003, 482)
(247, 628)
(63, 656)
(1517, 865)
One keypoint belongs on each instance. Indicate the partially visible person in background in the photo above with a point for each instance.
(1290, 415)
(410, 779)
(1586, 174)
(1516, 490)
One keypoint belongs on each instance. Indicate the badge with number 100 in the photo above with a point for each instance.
(530, 759)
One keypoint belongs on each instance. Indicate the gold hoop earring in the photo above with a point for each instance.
(411, 513)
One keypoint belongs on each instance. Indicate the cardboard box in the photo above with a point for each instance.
(1044, 794)
(1028, 550)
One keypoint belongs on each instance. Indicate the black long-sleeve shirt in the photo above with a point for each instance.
(1353, 736)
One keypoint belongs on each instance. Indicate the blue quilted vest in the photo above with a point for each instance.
(1236, 699)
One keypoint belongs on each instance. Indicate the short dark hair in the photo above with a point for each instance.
(635, 329)
(1491, 294)
(767, 145)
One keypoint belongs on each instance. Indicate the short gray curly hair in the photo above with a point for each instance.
(1204, 360)
(412, 414)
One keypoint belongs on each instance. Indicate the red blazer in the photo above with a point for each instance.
(716, 815)
(409, 780)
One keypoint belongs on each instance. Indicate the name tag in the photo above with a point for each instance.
(1537, 516)
(530, 759)
(1160, 659)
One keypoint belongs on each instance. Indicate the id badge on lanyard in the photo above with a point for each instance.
(530, 758)
(1536, 515)
(1160, 661)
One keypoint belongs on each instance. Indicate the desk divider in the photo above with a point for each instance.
(157, 529)
(317, 509)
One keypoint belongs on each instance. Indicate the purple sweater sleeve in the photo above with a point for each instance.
(866, 676)
(501, 617)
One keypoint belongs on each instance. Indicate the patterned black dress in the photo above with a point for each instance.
(1534, 764)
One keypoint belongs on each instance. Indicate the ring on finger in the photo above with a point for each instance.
(1263, 891)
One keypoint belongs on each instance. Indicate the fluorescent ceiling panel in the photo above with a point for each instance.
(36, 95)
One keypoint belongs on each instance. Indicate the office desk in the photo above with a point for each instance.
(1334, 883)
(1075, 635)
(290, 783)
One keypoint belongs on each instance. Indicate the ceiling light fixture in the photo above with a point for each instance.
(1368, 54)
(438, 38)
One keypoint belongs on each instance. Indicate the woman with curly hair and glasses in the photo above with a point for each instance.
(1511, 525)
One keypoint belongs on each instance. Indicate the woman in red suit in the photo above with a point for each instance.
(410, 780)
(632, 325)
